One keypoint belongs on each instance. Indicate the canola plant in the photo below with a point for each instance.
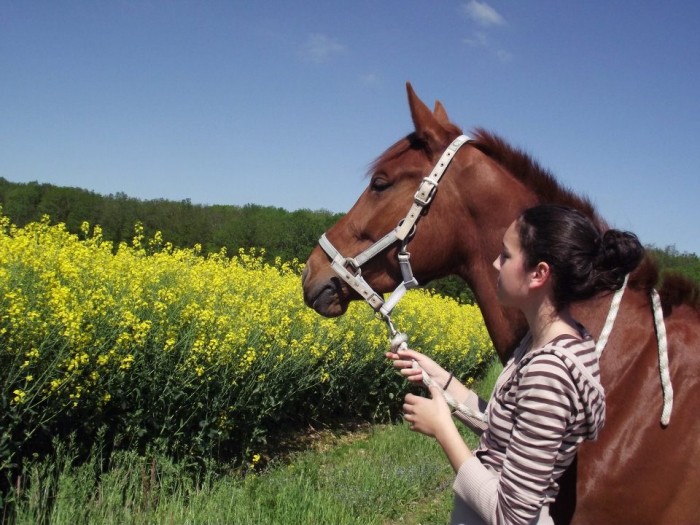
(148, 345)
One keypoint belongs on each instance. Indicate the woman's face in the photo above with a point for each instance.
(513, 278)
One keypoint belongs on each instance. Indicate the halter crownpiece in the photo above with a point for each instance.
(349, 269)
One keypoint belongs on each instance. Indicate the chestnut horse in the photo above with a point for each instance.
(638, 471)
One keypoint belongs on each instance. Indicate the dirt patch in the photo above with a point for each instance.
(284, 446)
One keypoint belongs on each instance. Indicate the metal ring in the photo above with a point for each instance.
(352, 264)
(410, 233)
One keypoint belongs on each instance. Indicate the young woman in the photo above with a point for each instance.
(548, 398)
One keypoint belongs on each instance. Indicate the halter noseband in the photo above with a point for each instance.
(349, 269)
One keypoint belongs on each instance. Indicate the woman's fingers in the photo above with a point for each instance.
(403, 361)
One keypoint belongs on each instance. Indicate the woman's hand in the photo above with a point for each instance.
(432, 417)
(403, 362)
(428, 416)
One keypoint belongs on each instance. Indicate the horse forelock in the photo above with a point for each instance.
(412, 141)
(394, 151)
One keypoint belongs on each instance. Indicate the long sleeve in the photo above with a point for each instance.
(542, 409)
(477, 486)
(477, 404)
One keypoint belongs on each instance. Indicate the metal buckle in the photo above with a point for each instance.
(351, 263)
(431, 192)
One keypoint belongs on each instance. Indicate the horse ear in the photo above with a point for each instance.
(427, 125)
(441, 114)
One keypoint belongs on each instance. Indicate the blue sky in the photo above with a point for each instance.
(287, 103)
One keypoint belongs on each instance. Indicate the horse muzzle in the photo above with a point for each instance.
(324, 293)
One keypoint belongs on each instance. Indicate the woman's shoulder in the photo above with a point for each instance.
(574, 347)
(574, 360)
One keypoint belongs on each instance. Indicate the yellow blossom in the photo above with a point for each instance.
(20, 396)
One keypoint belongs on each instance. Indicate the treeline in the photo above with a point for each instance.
(281, 233)
(671, 260)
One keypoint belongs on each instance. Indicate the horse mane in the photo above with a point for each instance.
(678, 289)
(675, 290)
(532, 174)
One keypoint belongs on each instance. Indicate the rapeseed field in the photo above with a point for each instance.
(147, 346)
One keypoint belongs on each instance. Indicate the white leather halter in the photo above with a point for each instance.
(349, 269)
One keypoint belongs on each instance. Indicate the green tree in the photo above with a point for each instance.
(670, 259)
(20, 201)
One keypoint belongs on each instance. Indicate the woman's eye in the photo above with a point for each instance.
(379, 184)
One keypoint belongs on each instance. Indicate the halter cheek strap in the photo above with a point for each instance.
(349, 269)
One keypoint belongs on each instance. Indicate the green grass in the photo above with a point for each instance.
(384, 475)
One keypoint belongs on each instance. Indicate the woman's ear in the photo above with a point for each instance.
(540, 275)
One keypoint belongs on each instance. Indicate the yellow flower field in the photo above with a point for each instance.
(201, 355)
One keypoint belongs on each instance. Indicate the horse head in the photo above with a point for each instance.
(393, 180)
(459, 232)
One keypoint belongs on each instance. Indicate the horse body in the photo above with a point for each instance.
(637, 471)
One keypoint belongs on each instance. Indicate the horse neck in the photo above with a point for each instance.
(493, 200)
(505, 326)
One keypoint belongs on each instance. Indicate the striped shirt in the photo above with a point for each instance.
(545, 403)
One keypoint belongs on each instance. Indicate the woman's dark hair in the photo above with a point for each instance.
(583, 262)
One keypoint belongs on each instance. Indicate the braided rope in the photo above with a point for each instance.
(663, 358)
(399, 342)
(662, 345)
(612, 315)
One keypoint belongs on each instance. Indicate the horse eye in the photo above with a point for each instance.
(379, 184)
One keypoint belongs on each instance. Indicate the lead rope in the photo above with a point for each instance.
(399, 341)
(612, 315)
(663, 358)
(661, 339)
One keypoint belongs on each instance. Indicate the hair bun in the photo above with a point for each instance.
(584, 260)
(619, 253)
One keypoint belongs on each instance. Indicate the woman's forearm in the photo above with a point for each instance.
(454, 446)
(469, 398)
